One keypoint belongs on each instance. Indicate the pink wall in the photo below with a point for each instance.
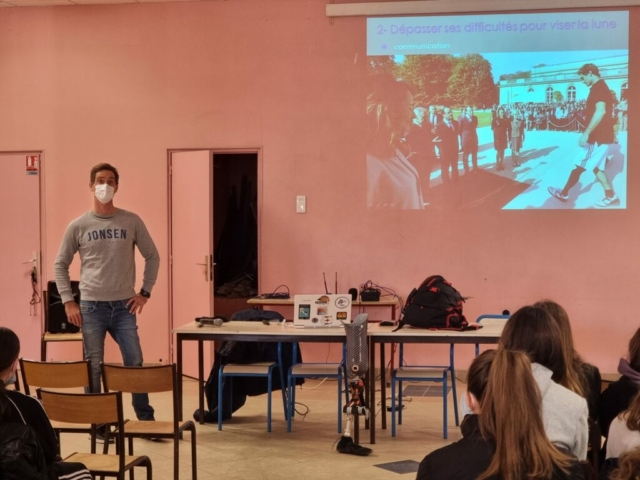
(125, 83)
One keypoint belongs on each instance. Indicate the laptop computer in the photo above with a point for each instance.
(321, 310)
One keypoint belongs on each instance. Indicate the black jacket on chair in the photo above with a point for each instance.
(247, 352)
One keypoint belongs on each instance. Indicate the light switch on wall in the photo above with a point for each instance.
(301, 204)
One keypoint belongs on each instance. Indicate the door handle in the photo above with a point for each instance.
(206, 267)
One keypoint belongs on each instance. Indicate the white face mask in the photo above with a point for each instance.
(104, 193)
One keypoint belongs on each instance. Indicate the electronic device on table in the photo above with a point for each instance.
(321, 310)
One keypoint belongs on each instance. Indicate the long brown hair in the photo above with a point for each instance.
(628, 466)
(532, 330)
(573, 377)
(632, 414)
(386, 108)
(478, 375)
(510, 417)
(634, 351)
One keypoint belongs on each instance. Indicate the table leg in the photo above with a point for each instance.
(372, 391)
(383, 387)
(179, 372)
(201, 381)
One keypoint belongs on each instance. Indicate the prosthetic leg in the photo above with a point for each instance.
(357, 367)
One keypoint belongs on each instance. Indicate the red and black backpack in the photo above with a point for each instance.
(434, 304)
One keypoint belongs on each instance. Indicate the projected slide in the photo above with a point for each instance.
(514, 111)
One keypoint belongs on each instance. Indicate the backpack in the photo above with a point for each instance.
(434, 304)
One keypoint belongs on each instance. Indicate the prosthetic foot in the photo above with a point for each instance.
(357, 367)
(347, 445)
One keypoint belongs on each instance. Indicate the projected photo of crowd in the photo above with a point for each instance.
(532, 130)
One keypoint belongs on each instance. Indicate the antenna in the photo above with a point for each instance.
(336, 290)
(326, 290)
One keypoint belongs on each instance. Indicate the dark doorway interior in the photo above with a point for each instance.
(235, 196)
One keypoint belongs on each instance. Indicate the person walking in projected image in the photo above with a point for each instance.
(392, 181)
(106, 238)
(517, 136)
(468, 123)
(597, 142)
(501, 127)
(447, 134)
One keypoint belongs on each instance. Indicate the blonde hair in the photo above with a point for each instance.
(628, 466)
(510, 417)
(573, 377)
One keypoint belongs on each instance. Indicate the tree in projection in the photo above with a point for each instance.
(429, 74)
(471, 82)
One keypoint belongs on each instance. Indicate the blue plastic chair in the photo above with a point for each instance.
(257, 369)
(314, 370)
(423, 373)
(489, 315)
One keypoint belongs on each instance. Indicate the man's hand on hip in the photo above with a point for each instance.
(72, 309)
(136, 303)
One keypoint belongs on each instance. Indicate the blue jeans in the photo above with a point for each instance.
(98, 318)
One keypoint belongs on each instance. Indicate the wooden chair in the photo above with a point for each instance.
(95, 409)
(154, 379)
(57, 375)
(53, 337)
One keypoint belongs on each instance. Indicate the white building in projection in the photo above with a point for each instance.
(548, 79)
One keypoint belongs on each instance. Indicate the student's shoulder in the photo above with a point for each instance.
(21, 400)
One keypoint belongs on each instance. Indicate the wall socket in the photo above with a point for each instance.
(301, 204)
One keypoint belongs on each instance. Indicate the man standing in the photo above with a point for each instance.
(469, 138)
(106, 238)
(597, 142)
(447, 141)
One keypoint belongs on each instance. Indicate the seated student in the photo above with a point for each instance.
(617, 397)
(504, 438)
(28, 444)
(579, 376)
(624, 431)
(532, 330)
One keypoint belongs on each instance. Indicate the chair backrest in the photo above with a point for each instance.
(496, 316)
(89, 408)
(160, 378)
(152, 379)
(54, 374)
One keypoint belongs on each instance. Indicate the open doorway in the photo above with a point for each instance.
(235, 230)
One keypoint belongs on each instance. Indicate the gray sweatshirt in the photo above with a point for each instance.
(107, 256)
(564, 413)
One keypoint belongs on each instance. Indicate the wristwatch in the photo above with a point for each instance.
(144, 293)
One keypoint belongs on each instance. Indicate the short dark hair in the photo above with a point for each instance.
(588, 68)
(9, 348)
(533, 331)
(104, 166)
